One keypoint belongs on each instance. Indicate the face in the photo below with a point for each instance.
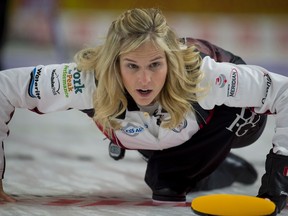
(144, 72)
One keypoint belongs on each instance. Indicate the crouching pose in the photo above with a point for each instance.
(149, 91)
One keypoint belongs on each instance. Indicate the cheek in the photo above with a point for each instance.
(163, 77)
(122, 73)
(126, 79)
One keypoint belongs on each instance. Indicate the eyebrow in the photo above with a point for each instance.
(157, 58)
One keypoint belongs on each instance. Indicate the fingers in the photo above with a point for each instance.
(5, 197)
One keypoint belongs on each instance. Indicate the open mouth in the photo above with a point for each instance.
(144, 91)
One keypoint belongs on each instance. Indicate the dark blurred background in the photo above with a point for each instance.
(51, 31)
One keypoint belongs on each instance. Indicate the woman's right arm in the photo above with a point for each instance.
(42, 89)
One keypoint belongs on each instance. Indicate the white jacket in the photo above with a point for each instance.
(58, 87)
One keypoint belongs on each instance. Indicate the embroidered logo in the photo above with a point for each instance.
(241, 125)
(180, 127)
(72, 81)
(159, 116)
(132, 130)
(233, 85)
(269, 82)
(55, 83)
(34, 89)
(221, 80)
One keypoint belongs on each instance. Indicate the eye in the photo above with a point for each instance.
(155, 65)
(132, 66)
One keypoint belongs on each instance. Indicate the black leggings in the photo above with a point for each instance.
(181, 167)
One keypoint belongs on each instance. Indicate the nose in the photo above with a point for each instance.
(144, 76)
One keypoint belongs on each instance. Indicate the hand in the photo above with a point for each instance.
(274, 183)
(4, 196)
(280, 202)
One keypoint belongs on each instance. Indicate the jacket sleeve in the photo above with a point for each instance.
(42, 89)
(248, 86)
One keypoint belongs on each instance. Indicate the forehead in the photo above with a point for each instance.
(146, 50)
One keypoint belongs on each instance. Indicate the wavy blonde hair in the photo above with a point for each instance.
(129, 31)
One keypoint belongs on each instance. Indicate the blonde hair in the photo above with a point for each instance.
(125, 34)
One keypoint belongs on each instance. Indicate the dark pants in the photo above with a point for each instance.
(182, 167)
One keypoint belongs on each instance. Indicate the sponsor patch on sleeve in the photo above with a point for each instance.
(33, 89)
(72, 81)
(232, 87)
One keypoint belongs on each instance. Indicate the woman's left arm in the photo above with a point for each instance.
(265, 92)
(248, 86)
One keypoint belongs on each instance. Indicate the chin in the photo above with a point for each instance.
(144, 103)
